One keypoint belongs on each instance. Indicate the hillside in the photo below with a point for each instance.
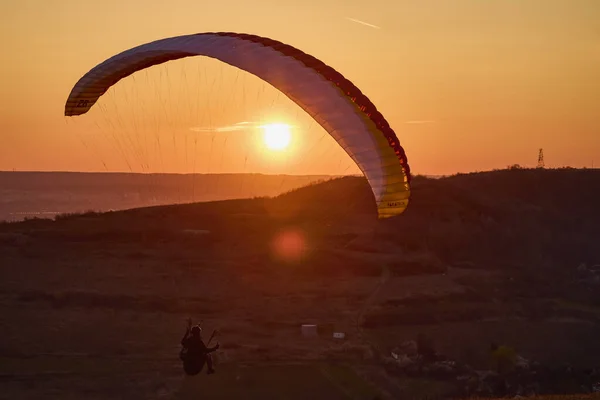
(505, 257)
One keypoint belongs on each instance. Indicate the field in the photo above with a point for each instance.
(94, 305)
(79, 377)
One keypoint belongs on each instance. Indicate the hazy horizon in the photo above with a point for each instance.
(49, 193)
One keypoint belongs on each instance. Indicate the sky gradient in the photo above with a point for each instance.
(468, 85)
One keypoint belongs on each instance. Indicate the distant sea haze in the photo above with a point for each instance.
(46, 194)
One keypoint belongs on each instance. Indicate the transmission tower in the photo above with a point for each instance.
(541, 159)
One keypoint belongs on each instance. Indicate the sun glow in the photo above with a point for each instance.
(277, 136)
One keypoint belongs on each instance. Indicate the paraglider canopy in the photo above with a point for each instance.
(325, 94)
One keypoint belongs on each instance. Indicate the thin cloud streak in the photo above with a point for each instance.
(229, 128)
(358, 21)
(239, 126)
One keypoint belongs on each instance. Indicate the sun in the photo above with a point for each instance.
(277, 136)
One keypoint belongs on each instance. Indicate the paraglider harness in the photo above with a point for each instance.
(193, 365)
(183, 353)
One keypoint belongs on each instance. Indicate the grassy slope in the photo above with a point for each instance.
(119, 284)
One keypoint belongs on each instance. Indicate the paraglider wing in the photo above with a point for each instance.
(332, 100)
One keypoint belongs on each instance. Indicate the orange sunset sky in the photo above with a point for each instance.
(468, 85)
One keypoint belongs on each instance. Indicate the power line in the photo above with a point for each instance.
(540, 163)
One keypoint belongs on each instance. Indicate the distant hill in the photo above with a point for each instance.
(517, 218)
(520, 220)
(45, 194)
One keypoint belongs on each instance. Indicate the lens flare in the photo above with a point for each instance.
(289, 245)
